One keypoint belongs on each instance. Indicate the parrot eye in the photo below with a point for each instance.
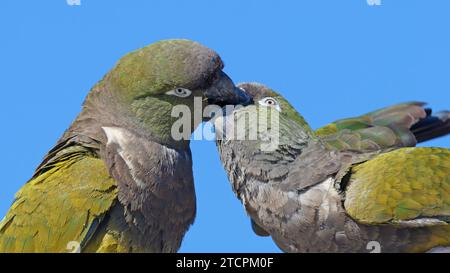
(271, 102)
(180, 92)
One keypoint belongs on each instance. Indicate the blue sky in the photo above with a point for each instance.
(330, 58)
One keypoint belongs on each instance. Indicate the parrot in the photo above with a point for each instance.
(117, 180)
(355, 185)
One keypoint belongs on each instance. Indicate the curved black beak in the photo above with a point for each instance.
(223, 92)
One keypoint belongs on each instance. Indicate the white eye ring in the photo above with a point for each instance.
(270, 102)
(179, 92)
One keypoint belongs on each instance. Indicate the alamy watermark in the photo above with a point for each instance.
(73, 2)
(374, 2)
(73, 247)
(374, 247)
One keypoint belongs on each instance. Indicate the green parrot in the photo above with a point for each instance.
(352, 186)
(117, 180)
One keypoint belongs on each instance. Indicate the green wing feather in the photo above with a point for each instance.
(64, 203)
(382, 129)
(402, 185)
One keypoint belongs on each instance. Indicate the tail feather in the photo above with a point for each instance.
(432, 126)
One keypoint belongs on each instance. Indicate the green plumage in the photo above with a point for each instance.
(402, 185)
(63, 204)
(379, 130)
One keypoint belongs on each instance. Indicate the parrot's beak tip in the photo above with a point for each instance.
(242, 97)
(247, 99)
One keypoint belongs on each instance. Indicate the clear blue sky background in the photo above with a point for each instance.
(330, 58)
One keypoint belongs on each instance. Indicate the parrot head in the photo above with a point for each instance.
(146, 85)
(264, 96)
(245, 120)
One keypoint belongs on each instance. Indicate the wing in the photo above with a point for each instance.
(60, 208)
(409, 186)
(401, 125)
